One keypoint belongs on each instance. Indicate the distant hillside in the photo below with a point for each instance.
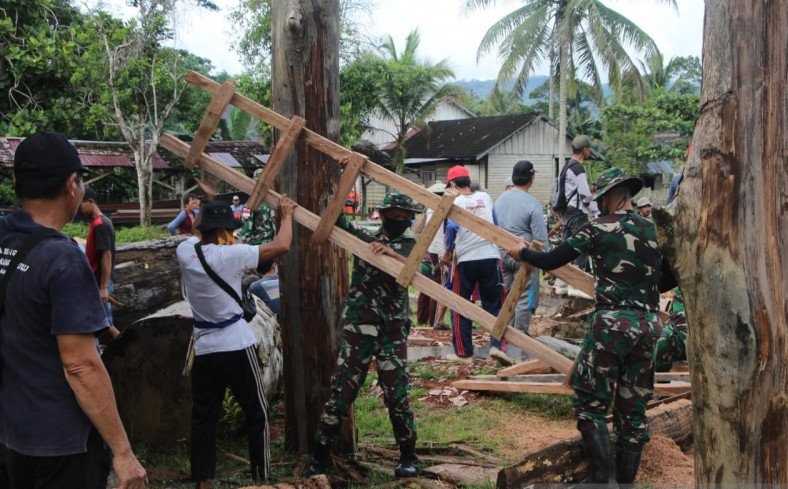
(483, 88)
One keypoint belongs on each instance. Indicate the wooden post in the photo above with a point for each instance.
(385, 263)
(425, 238)
(515, 291)
(284, 147)
(210, 121)
(334, 207)
(487, 230)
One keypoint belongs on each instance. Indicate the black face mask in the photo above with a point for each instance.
(395, 227)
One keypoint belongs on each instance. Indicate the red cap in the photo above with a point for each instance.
(457, 172)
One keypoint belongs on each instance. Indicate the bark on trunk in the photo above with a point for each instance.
(562, 89)
(144, 167)
(146, 279)
(731, 248)
(146, 364)
(314, 278)
(565, 461)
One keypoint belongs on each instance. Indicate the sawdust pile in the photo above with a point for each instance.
(665, 466)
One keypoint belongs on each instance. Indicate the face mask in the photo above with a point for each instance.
(395, 227)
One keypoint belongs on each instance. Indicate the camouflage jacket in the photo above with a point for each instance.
(375, 297)
(627, 261)
(260, 228)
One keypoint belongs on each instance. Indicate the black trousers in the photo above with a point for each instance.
(87, 470)
(212, 374)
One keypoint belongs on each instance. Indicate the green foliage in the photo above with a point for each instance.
(7, 195)
(359, 94)
(75, 230)
(123, 235)
(630, 130)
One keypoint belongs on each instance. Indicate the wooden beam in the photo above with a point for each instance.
(512, 298)
(282, 150)
(524, 368)
(568, 273)
(210, 121)
(425, 238)
(385, 263)
(668, 389)
(334, 208)
(659, 377)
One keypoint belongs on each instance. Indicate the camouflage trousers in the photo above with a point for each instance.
(616, 365)
(672, 344)
(360, 344)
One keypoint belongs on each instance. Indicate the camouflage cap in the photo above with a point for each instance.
(581, 141)
(614, 177)
(396, 200)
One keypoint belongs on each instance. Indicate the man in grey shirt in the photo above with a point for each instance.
(521, 214)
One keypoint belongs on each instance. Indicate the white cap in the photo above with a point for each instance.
(437, 187)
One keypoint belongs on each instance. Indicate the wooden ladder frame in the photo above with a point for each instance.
(405, 271)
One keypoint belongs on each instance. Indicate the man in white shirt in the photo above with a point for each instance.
(224, 345)
(478, 265)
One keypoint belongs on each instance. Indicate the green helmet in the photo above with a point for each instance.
(396, 200)
(613, 177)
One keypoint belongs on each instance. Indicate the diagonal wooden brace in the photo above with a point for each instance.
(515, 291)
(277, 159)
(346, 182)
(210, 121)
(427, 235)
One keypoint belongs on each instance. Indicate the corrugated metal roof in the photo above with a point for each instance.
(227, 159)
(94, 154)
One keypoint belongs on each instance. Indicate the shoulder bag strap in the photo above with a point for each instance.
(216, 278)
(28, 244)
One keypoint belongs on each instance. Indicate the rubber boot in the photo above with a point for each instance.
(320, 461)
(627, 463)
(407, 461)
(597, 446)
(206, 484)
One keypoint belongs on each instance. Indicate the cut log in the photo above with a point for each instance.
(526, 367)
(146, 278)
(565, 348)
(565, 461)
(464, 475)
(146, 364)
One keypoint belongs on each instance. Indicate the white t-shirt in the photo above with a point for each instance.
(437, 246)
(468, 246)
(209, 302)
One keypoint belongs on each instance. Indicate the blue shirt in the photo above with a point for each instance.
(55, 293)
(521, 214)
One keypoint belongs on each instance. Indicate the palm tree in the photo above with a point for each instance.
(569, 35)
(410, 90)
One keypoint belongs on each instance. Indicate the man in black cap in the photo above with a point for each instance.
(56, 398)
(225, 347)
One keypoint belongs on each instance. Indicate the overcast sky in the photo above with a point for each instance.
(447, 30)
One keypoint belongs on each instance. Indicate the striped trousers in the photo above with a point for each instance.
(212, 374)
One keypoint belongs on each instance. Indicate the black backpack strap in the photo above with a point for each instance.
(216, 278)
(29, 242)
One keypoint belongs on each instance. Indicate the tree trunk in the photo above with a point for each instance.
(144, 166)
(731, 248)
(562, 89)
(551, 87)
(314, 278)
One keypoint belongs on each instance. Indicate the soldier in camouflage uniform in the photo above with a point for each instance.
(376, 325)
(260, 228)
(616, 362)
(672, 344)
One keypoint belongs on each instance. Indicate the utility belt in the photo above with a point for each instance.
(220, 324)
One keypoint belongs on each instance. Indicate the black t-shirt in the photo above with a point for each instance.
(104, 236)
(53, 292)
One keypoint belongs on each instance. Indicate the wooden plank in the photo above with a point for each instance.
(513, 387)
(385, 263)
(425, 239)
(210, 121)
(334, 208)
(281, 152)
(659, 377)
(524, 368)
(515, 291)
(568, 273)
(669, 389)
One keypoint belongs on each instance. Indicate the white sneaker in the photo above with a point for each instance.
(500, 356)
(454, 358)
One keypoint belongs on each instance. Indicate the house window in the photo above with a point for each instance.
(427, 177)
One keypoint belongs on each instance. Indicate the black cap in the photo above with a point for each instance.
(217, 215)
(523, 171)
(46, 154)
(90, 194)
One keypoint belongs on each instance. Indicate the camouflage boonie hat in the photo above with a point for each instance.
(396, 200)
(614, 177)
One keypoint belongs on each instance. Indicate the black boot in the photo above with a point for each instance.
(407, 461)
(627, 463)
(597, 446)
(320, 461)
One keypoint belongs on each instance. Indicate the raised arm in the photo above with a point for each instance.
(284, 238)
(550, 260)
(173, 226)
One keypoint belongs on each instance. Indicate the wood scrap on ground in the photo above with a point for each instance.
(492, 383)
(565, 461)
(316, 482)
(526, 367)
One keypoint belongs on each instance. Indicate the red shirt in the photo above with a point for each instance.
(94, 258)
